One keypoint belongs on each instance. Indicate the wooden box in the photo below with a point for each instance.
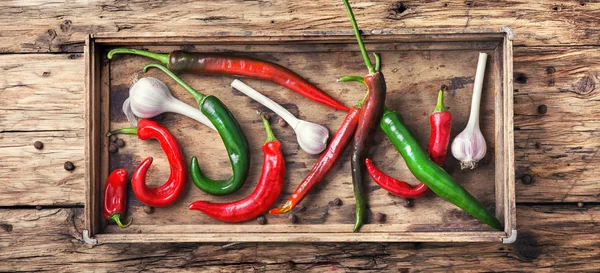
(415, 65)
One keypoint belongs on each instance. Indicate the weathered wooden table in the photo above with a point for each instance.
(557, 133)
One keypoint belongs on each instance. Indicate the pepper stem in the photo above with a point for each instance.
(440, 103)
(270, 135)
(352, 79)
(161, 57)
(131, 131)
(361, 45)
(359, 105)
(197, 95)
(117, 218)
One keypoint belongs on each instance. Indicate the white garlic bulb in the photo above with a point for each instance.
(149, 97)
(311, 137)
(469, 146)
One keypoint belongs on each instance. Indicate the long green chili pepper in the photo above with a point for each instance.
(429, 173)
(232, 135)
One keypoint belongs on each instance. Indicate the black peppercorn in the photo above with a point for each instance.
(69, 166)
(261, 220)
(148, 209)
(407, 203)
(38, 145)
(542, 109)
(293, 218)
(380, 217)
(120, 143)
(113, 138)
(113, 148)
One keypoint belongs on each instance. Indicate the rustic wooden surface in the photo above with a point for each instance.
(556, 64)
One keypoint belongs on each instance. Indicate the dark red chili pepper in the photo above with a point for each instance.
(441, 123)
(336, 147)
(115, 197)
(264, 195)
(368, 122)
(205, 63)
(171, 190)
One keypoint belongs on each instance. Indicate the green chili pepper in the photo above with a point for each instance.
(431, 174)
(232, 135)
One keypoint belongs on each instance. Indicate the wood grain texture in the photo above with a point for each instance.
(61, 26)
(557, 237)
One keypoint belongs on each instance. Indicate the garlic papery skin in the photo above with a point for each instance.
(150, 97)
(469, 146)
(311, 137)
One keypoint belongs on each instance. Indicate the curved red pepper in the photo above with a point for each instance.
(264, 195)
(394, 186)
(171, 190)
(115, 197)
(336, 147)
(441, 123)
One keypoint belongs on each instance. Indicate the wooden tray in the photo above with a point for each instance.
(415, 66)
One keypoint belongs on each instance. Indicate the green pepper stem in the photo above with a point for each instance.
(352, 79)
(440, 103)
(117, 218)
(359, 105)
(197, 95)
(161, 57)
(361, 45)
(270, 135)
(377, 62)
(131, 131)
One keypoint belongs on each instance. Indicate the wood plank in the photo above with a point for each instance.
(37, 26)
(41, 92)
(42, 100)
(560, 236)
(558, 150)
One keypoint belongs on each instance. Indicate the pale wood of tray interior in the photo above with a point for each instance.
(414, 72)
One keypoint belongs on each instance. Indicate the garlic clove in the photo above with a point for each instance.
(129, 113)
(312, 137)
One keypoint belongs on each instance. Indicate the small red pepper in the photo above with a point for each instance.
(336, 147)
(441, 123)
(264, 195)
(171, 190)
(115, 197)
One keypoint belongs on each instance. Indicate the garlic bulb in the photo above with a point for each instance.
(311, 137)
(150, 97)
(469, 146)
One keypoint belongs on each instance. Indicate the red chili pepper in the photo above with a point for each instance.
(171, 190)
(264, 195)
(441, 122)
(336, 147)
(206, 63)
(115, 197)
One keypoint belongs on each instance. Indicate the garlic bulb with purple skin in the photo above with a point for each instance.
(469, 146)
